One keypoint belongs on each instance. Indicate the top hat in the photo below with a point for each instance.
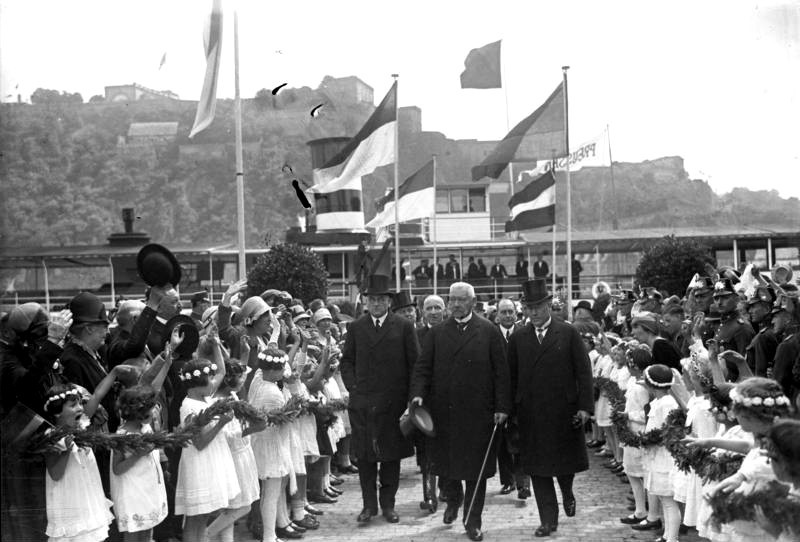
(724, 286)
(535, 291)
(377, 285)
(158, 266)
(401, 300)
(191, 335)
(86, 308)
(417, 417)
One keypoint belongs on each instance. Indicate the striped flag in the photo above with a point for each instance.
(540, 136)
(337, 188)
(416, 199)
(212, 39)
(535, 206)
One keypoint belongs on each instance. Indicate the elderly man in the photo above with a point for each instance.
(379, 353)
(462, 376)
(134, 321)
(551, 383)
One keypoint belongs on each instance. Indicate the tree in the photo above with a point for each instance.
(671, 262)
(97, 99)
(289, 267)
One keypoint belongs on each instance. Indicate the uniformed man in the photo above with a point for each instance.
(760, 352)
(699, 295)
(734, 332)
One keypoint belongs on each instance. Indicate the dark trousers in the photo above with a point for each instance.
(368, 475)
(511, 473)
(456, 495)
(545, 492)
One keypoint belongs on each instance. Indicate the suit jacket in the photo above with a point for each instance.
(515, 328)
(550, 382)
(82, 369)
(127, 345)
(540, 269)
(376, 368)
(498, 271)
(452, 270)
(463, 380)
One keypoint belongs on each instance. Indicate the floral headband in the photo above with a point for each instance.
(653, 383)
(269, 358)
(207, 370)
(62, 397)
(769, 401)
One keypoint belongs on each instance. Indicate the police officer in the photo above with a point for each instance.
(760, 352)
(734, 332)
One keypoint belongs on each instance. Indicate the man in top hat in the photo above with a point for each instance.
(403, 305)
(379, 353)
(551, 385)
(462, 378)
(734, 332)
(200, 302)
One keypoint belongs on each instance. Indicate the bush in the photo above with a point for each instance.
(670, 264)
(289, 267)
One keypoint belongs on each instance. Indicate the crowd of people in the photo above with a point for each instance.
(520, 386)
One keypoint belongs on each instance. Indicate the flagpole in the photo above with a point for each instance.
(435, 240)
(569, 199)
(555, 195)
(615, 222)
(239, 159)
(396, 184)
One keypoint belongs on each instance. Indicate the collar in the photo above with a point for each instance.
(464, 320)
(506, 328)
(381, 320)
(78, 342)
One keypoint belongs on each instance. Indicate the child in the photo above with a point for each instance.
(657, 459)
(239, 443)
(137, 480)
(272, 446)
(620, 376)
(757, 403)
(602, 368)
(784, 454)
(77, 508)
(206, 474)
(636, 398)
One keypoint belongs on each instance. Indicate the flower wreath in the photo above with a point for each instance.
(757, 400)
(774, 499)
(207, 370)
(61, 396)
(653, 383)
(269, 358)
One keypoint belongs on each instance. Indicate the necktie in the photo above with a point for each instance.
(508, 335)
(540, 334)
(377, 325)
(462, 326)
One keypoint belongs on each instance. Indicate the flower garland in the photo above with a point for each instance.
(774, 499)
(703, 461)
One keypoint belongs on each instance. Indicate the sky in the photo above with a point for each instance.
(716, 82)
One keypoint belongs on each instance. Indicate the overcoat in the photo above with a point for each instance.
(463, 379)
(550, 382)
(376, 368)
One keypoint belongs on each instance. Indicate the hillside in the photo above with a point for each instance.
(67, 169)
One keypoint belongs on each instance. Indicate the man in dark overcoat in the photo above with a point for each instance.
(551, 383)
(462, 376)
(379, 353)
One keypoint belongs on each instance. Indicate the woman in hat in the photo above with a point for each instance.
(644, 329)
(259, 325)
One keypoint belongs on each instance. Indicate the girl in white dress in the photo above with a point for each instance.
(77, 508)
(207, 479)
(272, 446)
(239, 443)
(657, 459)
(783, 450)
(137, 481)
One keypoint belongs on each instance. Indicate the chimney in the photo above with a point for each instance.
(127, 219)
(129, 237)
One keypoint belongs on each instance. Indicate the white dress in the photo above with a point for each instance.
(244, 462)
(703, 424)
(295, 440)
(271, 446)
(77, 508)
(139, 494)
(602, 409)
(636, 397)
(758, 472)
(206, 478)
(336, 431)
(658, 461)
(306, 424)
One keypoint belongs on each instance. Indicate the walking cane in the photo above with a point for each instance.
(483, 467)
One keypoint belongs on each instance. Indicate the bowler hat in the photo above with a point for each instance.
(377, 285)
(535, 291)
(191, 335)
(401, 300)
(583, 304)
(158, 266)
(86, 308)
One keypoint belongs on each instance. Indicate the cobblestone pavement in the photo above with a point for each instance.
(600, 503)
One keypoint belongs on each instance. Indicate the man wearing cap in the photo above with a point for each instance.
(760, 353)
(786, 321)
(462, 377)
(734, 332)
(200, 302)
(380, 350)
(699, 295)
(551, 385)
(624, 306)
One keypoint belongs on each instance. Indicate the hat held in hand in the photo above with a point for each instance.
(158, 266)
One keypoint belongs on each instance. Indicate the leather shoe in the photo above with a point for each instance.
(506, 489)
(390, 515)
(545, 530)
(631, 520)
(332, 492)
(569, 506)
(287, 533)
(366, 515)
(523, 493)
(645, 525)
(474, 533)
(349, 469)
(335, 480)
(320, 499)
(450, 513)
(313, 511)
(308, 523)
